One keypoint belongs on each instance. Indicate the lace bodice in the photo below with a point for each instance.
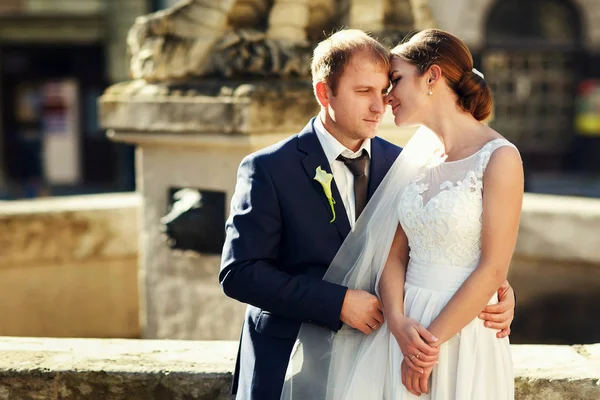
(441, 209)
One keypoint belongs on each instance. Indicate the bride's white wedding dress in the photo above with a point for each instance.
(441, 214)
(440, 208)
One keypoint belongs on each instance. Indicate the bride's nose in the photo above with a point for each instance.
(388, 98)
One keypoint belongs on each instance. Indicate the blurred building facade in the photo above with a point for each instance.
(56, 58)
(542, 59)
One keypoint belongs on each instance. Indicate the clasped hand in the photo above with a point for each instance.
(420, 353)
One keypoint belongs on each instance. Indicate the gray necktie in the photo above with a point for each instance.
(358, 167)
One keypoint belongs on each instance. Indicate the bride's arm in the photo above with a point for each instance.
(391, 283)
(502, 199)
(408, 333)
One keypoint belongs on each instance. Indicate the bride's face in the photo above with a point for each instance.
(408, 95)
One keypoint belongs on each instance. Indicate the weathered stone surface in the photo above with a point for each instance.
(208, 107)
(68, 266)
(68, 228)
(289, 20)
(368, 15)
(556, 373)
(252, 38)
(560, 228)
(79, 369)
(95, 369)
(181, 297)
(211, 38)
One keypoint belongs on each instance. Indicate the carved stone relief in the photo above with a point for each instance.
(259, 38)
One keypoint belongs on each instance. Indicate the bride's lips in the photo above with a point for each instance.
(395, 108)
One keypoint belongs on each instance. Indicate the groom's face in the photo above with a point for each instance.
(357, 107)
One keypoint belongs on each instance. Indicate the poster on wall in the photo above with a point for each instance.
(60, 129)
(587, 108)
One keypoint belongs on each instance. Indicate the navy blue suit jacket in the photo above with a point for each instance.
(278, 246)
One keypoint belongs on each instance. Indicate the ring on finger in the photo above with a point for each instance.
(418, 355)
(370, 327)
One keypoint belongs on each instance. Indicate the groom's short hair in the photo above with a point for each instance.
(331, 56)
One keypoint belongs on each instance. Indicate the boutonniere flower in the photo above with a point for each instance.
(325, 179)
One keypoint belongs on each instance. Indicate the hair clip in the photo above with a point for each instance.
(475, 71)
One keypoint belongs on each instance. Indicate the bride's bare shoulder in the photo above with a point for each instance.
(490, 134)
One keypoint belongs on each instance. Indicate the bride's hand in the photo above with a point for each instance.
(415, 382)
(413, 340)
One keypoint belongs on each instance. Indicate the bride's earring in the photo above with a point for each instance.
(430, 91)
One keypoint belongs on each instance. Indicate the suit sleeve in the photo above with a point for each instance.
(249, 271)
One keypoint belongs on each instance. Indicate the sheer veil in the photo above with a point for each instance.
(323, 362)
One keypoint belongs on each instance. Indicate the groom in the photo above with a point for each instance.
(294, 204)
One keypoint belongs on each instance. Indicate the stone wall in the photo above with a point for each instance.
(68, 267)
(87, 369)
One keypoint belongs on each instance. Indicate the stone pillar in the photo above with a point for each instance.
(192, 138)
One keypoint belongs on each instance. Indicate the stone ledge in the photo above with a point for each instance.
(240, 108)
(65, 229)
(105, 369)
(559, 228)
(555, 228)
(91, 369)
(45, 205)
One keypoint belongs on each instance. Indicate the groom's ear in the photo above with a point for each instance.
(323, 93)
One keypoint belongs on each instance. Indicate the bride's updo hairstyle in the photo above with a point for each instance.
(433, 46)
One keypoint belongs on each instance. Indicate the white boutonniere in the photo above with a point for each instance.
(325, 179)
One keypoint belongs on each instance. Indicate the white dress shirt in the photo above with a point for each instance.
(342, 176)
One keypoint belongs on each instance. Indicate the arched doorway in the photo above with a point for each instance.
(531, 63)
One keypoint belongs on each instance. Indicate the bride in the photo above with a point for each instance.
(434, 244)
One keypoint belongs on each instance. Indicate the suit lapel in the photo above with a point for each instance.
(380, 165)
(315, 157)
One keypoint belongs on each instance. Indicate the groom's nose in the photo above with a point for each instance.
(378, 104)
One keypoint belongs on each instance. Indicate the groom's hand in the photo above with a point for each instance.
(500, 316)
(361, 310)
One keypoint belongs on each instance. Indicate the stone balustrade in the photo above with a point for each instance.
(94, 369)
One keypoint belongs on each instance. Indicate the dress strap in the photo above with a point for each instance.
(487, 151)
